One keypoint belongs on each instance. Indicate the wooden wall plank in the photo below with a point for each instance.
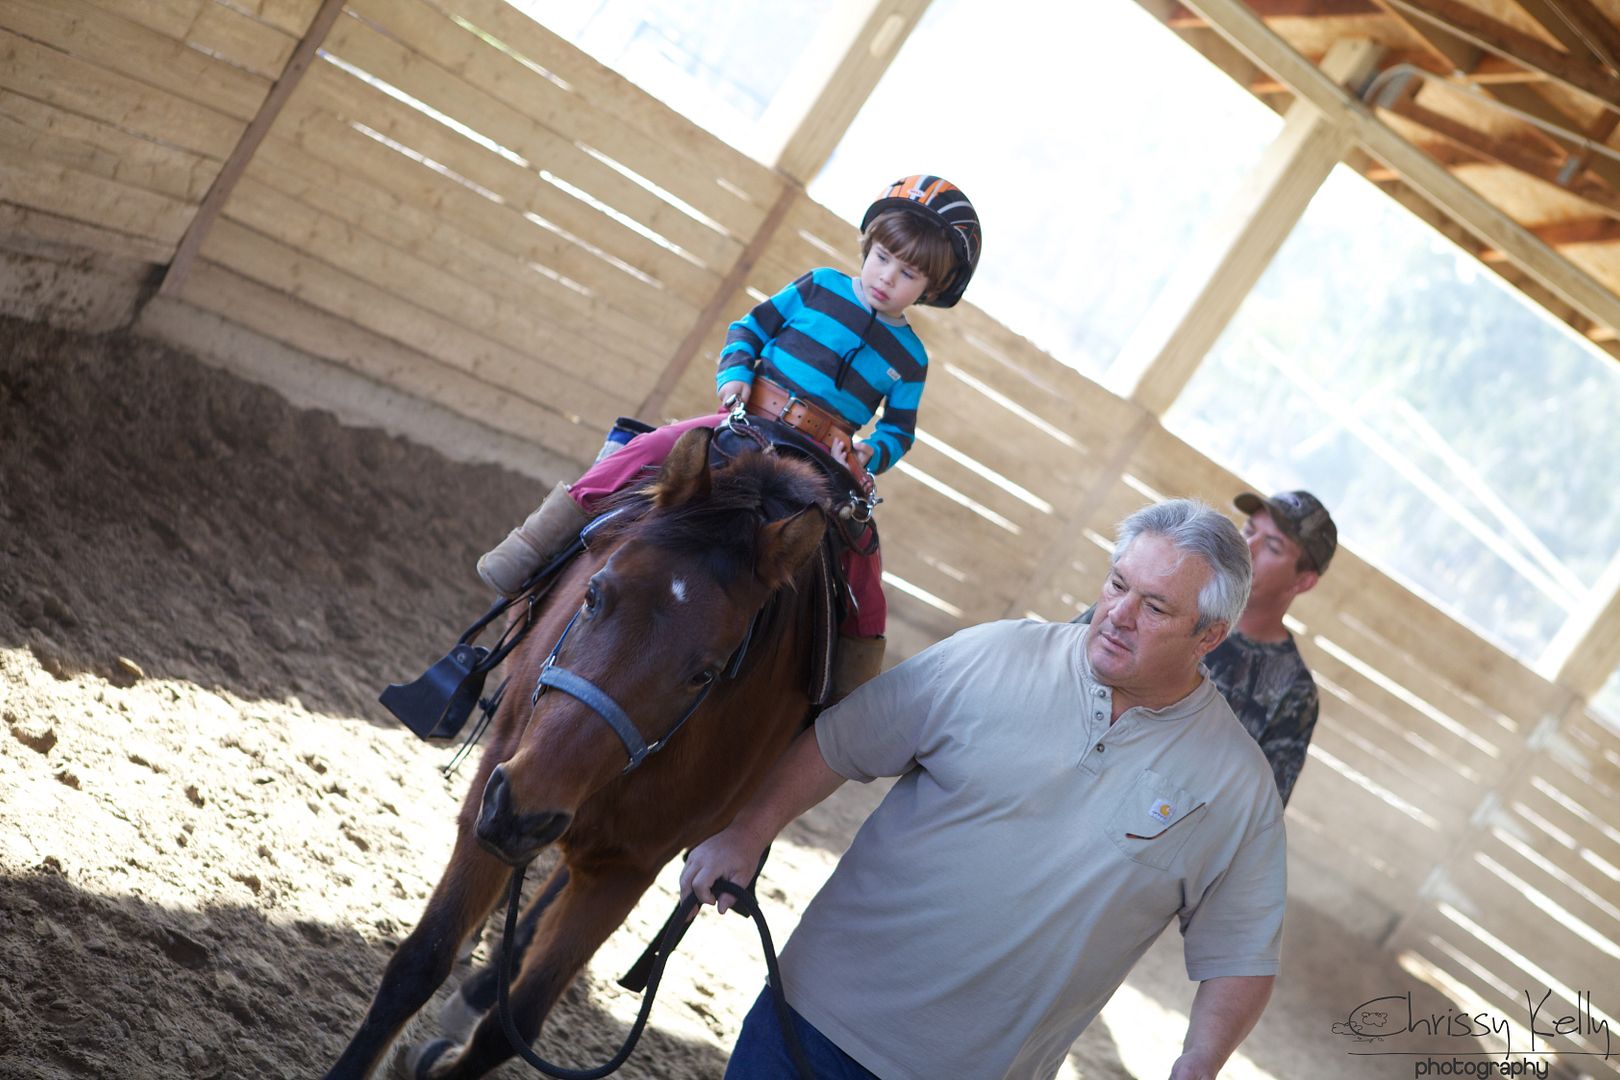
(217, 29)
(24, 225)
(229, 34)
(614, 94)
(280, 317)
(429, 237)
(115, 44)
(61, 190)
(43, 132)
(431, 34)
(84, 88)
(291, 16)
(378, 180)
(552, 353)
(326, 89)
(323, 286)
(386, 59)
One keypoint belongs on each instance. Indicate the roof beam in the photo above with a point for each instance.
(1549, 170)
(1182, 19)
(1487, 33)
(1467, 59)
(1491, 71)
(1556, 23)
(1579, 25)
(1592, 230)
(1490, 224)
(1453, 53)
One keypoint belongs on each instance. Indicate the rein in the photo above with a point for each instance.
(746, 903)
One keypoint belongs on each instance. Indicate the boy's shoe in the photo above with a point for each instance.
(543, 534)
(859, 660)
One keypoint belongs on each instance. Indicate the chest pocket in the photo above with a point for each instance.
(1155, 819)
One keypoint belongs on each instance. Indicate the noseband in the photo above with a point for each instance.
(602, 704)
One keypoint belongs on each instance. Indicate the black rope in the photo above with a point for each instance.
(745, 903)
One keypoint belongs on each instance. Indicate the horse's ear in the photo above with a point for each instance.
(685, 475)
(785, 545)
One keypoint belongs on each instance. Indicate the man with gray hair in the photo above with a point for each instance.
(1064, 792)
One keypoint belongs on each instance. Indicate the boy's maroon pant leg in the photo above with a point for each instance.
(865, 576)
(646, 451)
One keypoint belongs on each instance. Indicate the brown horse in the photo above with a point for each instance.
(659, 603)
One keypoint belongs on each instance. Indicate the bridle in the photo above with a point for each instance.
(612, 713)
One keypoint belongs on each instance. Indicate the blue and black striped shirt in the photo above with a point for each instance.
(819, 340)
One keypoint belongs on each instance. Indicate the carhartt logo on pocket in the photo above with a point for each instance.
(1161, 811)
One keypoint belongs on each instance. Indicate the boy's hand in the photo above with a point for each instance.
(853, 456)
(735, 388)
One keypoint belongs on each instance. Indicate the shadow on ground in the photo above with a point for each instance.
(203, 528)
(98, 986)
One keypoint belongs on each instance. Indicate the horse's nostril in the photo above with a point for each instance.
(511, 836)
(497, 803)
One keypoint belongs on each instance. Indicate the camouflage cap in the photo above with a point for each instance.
(1302, 518)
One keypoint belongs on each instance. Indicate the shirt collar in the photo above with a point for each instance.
(1194, 702)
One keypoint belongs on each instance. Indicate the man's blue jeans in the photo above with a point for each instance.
(762, 1054)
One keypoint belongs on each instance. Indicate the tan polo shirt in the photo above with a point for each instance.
(1027, 857)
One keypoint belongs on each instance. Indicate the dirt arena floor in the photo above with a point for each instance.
(211, 836)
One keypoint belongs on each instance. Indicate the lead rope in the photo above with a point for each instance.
(745, 902)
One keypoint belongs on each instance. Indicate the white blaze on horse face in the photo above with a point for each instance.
(678, 588)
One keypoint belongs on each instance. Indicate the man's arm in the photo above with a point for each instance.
(1224, 1011)
(798, 781)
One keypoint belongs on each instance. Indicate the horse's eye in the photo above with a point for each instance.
(704, 677)
(592, 597)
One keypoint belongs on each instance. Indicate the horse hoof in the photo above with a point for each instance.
(416, 1062)
(459, 1017)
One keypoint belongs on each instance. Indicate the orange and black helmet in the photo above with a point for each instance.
(943, 203)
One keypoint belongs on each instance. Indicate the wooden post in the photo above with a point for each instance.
(213, 203)
(1583, 655)
(847, 88)
(1199, 301)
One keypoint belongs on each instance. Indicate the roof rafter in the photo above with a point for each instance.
(1471, 25)
(1548, 169)
(1579, 25)
(1444, 43)
(1182, 18)
(1591, 230)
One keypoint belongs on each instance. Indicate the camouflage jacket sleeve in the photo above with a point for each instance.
(1288, 734)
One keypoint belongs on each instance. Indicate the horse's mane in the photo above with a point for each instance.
(721, 529)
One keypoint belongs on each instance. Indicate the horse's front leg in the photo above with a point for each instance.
(591, 906)
(476, 994)
(460, 902)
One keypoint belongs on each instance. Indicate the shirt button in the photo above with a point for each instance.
(1098, 714)
(1101, 748)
